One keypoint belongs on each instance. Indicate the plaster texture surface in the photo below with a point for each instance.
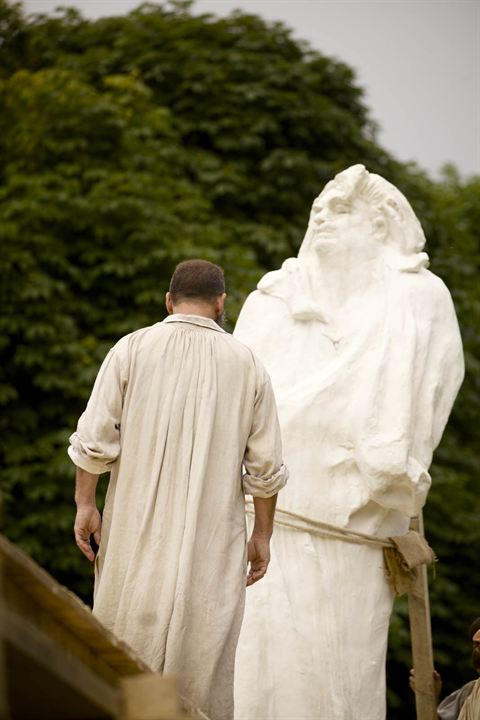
(363, 348)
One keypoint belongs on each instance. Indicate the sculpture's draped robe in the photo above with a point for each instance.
(363, 394)
(175, 411)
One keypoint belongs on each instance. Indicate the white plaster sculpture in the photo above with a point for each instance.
(363, 347)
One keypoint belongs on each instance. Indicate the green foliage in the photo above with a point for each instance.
(128, 144)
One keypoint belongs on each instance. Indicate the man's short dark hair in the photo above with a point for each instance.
(196, 280)
(474, 627)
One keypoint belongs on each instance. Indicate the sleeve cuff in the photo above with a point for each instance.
(265, 487)
(82, 460)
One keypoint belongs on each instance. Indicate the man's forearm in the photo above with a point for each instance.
(264, 514)
(259, 543)
(87, 521)
(85, 487)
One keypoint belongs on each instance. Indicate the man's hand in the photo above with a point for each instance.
(258, 557)
(437, 683)
(87, 522)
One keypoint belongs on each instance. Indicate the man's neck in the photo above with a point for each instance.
(201, 309)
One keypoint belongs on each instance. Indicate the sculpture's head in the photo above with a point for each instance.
(365, 216)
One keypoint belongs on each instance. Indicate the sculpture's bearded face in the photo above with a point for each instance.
(342, 224)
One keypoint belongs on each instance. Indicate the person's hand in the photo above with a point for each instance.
(88, 522)
(258, 557)
(437, 683)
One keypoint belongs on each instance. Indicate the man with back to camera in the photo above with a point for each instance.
(175, 411)
(464, 703)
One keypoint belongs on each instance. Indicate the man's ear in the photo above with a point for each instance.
(220, 302)
(168, 303)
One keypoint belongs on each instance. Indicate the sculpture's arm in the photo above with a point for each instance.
(417, 376)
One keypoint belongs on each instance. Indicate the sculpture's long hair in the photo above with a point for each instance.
(394, 225)
(391, 215)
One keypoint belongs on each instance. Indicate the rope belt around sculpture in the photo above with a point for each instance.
(406, 557)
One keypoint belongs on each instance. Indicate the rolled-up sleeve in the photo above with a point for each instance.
(265, 472)
(265, 487)
(95, 446)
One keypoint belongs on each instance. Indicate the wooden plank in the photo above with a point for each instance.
(151, 697)
(23, 605)
(30, 642)
(4, 711)
(62, 663)
(69, 610)
(421, 639)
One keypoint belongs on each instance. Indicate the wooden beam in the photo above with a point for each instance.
(421, 639)
(29, 641)
(151, 697)
(67, 610)
(62, 663)
(4, 711)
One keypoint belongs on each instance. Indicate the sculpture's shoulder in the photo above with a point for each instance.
(260, 311)
(263, 322)
(260, 300)
(433, 313)
(427, 292)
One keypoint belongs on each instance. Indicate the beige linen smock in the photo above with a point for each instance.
(176, 409)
